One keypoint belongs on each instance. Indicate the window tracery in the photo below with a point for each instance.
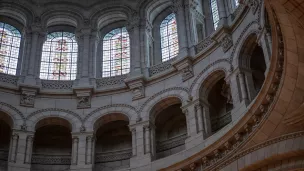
(116, 53)
(169, 38)
(215, 13)
(59, 57)
(10, 39)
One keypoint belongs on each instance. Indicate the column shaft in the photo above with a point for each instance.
(29, 148)
(147, 139)
(74, 151)
(133, 142)
(199, 115)
(207, 121)
(89, 150)
(243, 87)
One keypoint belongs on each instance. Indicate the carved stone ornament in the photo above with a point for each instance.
(136, 84)
(226, 42)
(254, 4)
(185, 67)
(83, 98)
(27, 97)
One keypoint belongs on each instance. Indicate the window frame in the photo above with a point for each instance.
(19, 27)
(215, 22)
(62, 29)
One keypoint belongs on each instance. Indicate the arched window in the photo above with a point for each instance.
(215, 13)
(116, 53)
(169, 38)
(10, 39)
(59, 57)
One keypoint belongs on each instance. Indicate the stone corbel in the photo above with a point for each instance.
(226, 42)
(184, 66)
(27, 97)
(136, 84)
(83, 98)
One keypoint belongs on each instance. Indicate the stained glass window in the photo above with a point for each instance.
(236, 2)
(116, 53)
(215, 13)
(10, 39)
(169, 38)
(59, 57)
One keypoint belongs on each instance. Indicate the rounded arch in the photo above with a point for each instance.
(110, 117)
(53, 121)
(16, 116)
(104, 17)
(7, 119)
(246, 50)
(209, 82)
(73, 118)
(17, 12)
(220, 65)
(251, 28)
(162, 104)
(177, 92)
(151, 9)
(126, 110)
(61, 17)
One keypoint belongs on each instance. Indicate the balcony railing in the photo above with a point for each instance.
(221, 121)
(171, 143)
(46, 159)
(113, 156)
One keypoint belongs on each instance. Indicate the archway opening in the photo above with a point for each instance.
(258, 68)
(5, 135)
(220, 105)
(113, 148)
(170, 128)
(52, 147)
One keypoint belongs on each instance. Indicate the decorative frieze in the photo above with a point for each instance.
(9, 79)
(27, 97)
(113, 156)
(56, 85)
(156, 69)
(204, 44)
(51, 159)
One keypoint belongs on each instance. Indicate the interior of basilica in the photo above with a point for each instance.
(152, 85)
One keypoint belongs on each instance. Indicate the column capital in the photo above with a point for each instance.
(133, 22)
(177, 5)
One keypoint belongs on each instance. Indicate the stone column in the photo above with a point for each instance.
(199, 116)
(14, 147)
(147, 139)
(134, 150)
(133, 28)
(89, 149)
(75, 141)
(222, 12)
(178, 8)
(243, 87)
(29, 149)
(33, 58)
(206, 120)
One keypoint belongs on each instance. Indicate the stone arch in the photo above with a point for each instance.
(102, 18)
(109, 117)
(123, 109)
(162, 104)
(17, 12)
(220, 65)
(16, 116)
(74, 119)
(209, 82)
(53, 121)
(151, 9)
(61, 17)
(177, 92)
(249, 29)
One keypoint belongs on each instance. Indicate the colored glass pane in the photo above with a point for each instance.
(215, 13)
(59, 57)
(10, 39)
(169, 38)
(116, 53)
(236, 3)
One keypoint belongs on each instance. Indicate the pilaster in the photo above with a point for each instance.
(142, 140)
(82, 151)
(20, 151)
